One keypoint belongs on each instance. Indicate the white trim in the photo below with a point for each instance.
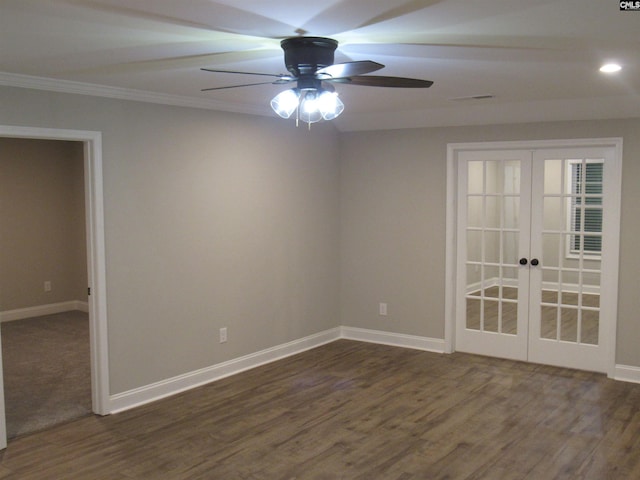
(477, 286)
(450, 251)
(97, 275)
(453, 148)
(82, 306)
(553, 286)
(81, 88)
(395, 339)
(601, 108)
(626, 373)
(612, 197)
(611, 238)
(572, 288)
(171, 386)
(39, 310)
(491, 282)
(96, 262)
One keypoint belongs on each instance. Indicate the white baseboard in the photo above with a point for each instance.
(171, 386)
(39, 310)
(627, 373)
(165, 388)
(395, 339)
(513, 282)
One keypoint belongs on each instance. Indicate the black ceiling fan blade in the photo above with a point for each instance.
(378, 81)
(280, 76)
(349, 69)
(276, 82)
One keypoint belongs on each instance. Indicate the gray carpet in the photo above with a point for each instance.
(47, 374)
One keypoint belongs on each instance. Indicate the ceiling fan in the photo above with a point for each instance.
(309, 61)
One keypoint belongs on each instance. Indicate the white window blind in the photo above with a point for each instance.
(586, 207)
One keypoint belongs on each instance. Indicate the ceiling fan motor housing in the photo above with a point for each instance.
(303, 56)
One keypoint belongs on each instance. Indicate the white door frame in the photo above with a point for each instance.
(614, 198)
(96, 264)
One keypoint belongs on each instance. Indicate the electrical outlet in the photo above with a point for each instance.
(47, 286)
(223, 334)
(383, 309)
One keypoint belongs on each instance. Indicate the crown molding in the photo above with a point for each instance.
(516, 112)
(595, 108)
(80, 88)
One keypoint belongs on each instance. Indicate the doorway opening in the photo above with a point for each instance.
(43, 284)
(95, 260)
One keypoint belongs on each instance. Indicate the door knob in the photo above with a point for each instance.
(534, 261)
(523, 261)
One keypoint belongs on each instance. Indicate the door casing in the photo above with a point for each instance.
(96, 262)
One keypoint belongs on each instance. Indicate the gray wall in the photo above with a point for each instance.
(211, 220)
(42, 223)
(393, 191)
(216, 219)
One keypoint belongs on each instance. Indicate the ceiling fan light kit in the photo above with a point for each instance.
(610, 68)
(286, 102)
(309, 61)
(310, 105)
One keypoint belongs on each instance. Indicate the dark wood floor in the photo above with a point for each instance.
(351, 410)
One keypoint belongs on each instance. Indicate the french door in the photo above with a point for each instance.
(533, 230)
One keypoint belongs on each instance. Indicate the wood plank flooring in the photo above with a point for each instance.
(351, 410)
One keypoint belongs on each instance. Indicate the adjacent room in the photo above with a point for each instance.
(45, 326)
(431, 275)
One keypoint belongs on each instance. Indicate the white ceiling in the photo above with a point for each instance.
(538, 58)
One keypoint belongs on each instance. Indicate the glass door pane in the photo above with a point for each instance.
(492, 245)
(491, 234)
(567, 218)
(569, 309)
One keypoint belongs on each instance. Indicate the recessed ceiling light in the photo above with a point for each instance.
(610, 68)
